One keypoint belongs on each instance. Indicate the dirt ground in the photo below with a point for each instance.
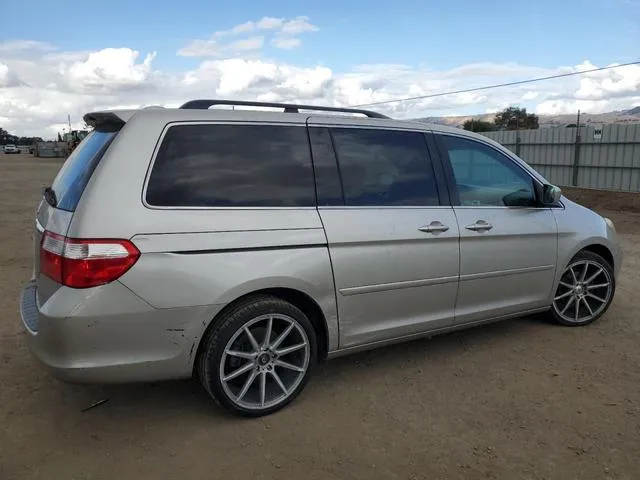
(521, 399)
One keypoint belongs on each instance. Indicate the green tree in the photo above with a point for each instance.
(479, 126)
(28, 140)
(7, 138)
(514, 118)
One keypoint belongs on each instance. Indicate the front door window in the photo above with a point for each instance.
(486, 177)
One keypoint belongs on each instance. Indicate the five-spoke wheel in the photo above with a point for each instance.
(585, 290)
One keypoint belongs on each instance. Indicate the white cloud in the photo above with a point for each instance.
(266, 23)
(236, 76)
(595, 92)
(567, 107)
(285, 42)
(285, 35)
(13, 47)
(297, 26)
(112, 67)
(216, 48)
(200, 48)
(8, 78)
(270, 23)
(4, 75)
(247, 44)
(242, 28)
(609, 83)
(38, 90)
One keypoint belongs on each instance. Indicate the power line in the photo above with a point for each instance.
(499, 85)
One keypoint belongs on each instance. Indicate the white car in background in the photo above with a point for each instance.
(11, 149)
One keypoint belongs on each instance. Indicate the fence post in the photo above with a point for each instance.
(576, 158)
(517, 145)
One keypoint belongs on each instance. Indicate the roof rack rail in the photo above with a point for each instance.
(288, 107)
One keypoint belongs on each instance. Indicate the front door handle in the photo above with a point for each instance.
(434, 227)
(479, 226)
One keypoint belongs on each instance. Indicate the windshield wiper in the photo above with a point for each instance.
(50, 196)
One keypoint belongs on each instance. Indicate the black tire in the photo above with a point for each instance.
(594, 260)
(222, 331)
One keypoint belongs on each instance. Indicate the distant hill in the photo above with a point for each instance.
(623, 116)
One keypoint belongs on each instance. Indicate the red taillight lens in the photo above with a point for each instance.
(51, 251)
(84, 263)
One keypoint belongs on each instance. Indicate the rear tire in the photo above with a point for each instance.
(585, 291)
(258, 356)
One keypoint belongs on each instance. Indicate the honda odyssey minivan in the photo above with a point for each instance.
(246, 246)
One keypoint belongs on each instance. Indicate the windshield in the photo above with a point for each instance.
(77, 170)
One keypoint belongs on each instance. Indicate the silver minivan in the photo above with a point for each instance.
(245, 246)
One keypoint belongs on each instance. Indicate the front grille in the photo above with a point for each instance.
(29, 308)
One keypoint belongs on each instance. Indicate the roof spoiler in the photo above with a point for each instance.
(104, 121)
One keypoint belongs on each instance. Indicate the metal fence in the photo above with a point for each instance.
(50, 149)
(606, 157)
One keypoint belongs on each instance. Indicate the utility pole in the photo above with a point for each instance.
(576, 158)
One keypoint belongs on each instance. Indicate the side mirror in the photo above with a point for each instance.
(551, 194)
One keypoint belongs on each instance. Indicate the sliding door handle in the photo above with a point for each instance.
(434, 227)
(479, 226)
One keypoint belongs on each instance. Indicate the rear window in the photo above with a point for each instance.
(232, 165)
(77, 170)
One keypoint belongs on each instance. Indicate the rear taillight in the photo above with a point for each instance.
(84, 263)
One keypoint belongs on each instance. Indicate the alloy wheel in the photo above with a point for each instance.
(584, 291)
(264, 361)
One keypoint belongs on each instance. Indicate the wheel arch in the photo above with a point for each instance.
(595, 245)
(602, 250)
(296, 297)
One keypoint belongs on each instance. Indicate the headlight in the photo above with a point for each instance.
(609, 223)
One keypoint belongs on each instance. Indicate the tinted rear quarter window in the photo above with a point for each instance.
(232, 165)
(77, 170)
(384, 167)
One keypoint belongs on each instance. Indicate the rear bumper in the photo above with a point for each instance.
(110, 335)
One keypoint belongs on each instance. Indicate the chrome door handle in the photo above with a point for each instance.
(434, 227)
(479, 226)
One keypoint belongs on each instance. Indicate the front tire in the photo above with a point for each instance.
(258, 357)
(585, 290)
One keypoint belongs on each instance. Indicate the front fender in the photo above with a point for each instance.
(580, 228)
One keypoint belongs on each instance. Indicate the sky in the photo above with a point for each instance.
(69, 58)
